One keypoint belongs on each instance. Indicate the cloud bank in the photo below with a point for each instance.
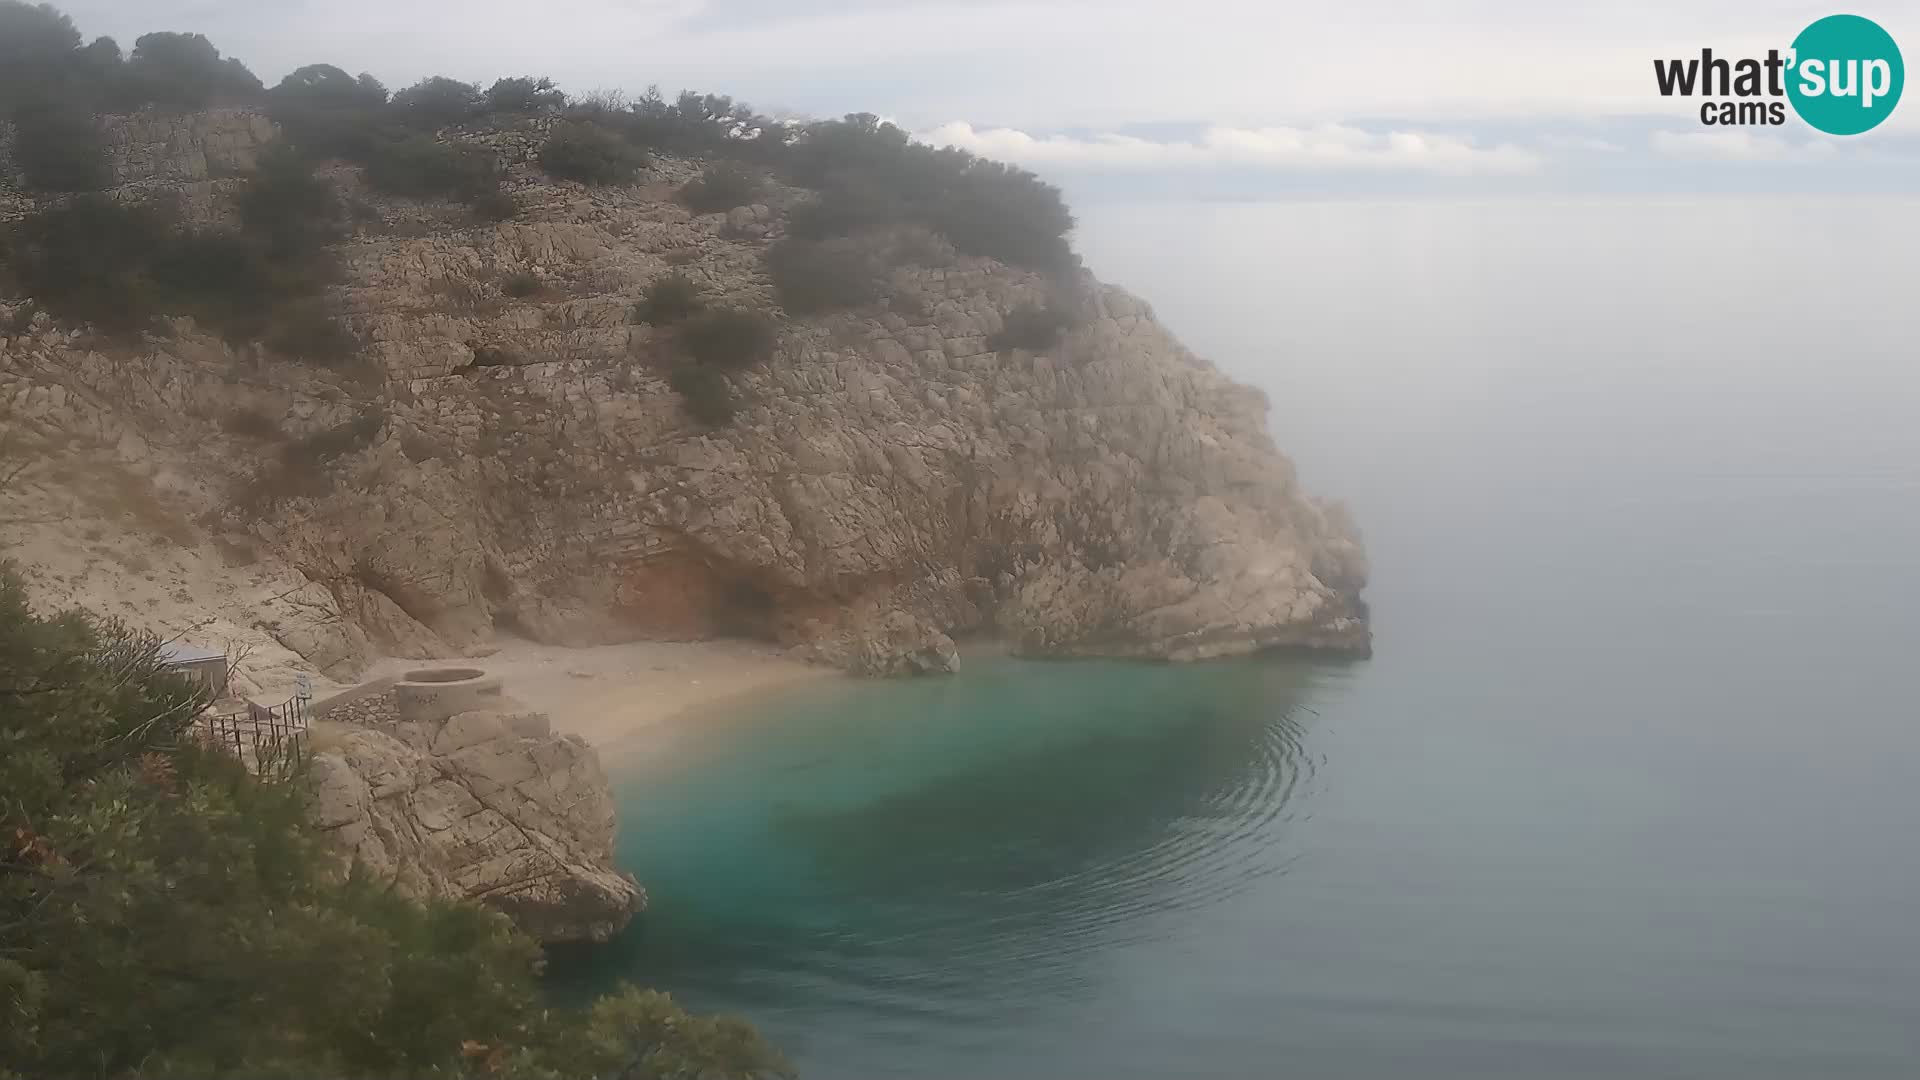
(1324, 147)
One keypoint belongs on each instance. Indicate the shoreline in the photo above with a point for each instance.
(615, 696)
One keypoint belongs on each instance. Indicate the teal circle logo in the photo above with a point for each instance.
(1846, 75)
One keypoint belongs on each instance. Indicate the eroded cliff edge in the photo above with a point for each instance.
(516, 459)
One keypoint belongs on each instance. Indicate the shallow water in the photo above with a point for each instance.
(1629, 788)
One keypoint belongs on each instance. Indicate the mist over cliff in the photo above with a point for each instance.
(391, 373)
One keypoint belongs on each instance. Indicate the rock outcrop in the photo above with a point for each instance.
(892, 479)
(488, 806)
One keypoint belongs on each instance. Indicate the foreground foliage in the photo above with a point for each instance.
(164, 914)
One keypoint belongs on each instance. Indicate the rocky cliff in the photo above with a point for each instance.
(515, 459)
(486, 805)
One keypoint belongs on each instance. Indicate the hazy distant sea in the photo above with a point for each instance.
(1629, 788)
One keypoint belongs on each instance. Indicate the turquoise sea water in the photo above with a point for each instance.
(1629, 788)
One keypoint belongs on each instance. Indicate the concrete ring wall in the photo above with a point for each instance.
(431, 695)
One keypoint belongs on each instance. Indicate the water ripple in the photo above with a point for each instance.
(959, 850)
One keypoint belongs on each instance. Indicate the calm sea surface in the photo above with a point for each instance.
(1630, 788)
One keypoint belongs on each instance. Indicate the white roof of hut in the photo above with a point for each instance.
(175, 653)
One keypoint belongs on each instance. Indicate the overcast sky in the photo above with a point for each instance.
(1223, 98)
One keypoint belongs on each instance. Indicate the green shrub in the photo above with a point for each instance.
(695, 125)
(36, 44)
(669, 299)
(524, 94)
(319, 131)
(825, 275)
(721, 187)
(871, 173)
(326, 112)
(599, 107)
(859, 144)
(494, 206)
(295, 212)
(59, 147)
(1005, 213)
(163, 913)
(116, 266)
(100, 61)
(590, 154)
(185, 71)
(424, 168)
(438, 102)
(309, 330)
(329, 87)
(221, 278)
(705, 393)
(252, 424)
(848, 205)
(1032, 327)
(496, 356)
(521, 285)
(89, 261)
(729, 338)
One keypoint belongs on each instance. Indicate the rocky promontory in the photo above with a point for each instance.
(486, 804)
(512, 457)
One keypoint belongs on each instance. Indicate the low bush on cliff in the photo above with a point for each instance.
(58, 147)
(701, 125)
(38, 46)
(252, 423)
(669, 299)
(90, 261)
(119, 265)
(310, 331)
(1035, 327)
(705, 392)
(325, 112)
(813, 276)
(729, 338)
(293, 212)
(721, 187)
(869, 172)
(521, 285)
(868, 176)
(165, 914)
(437, 102)
(590, 154)
(423, 167)
(184, 71)
(493, 207)
(524, 94)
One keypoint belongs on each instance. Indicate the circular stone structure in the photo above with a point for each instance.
(431, 695)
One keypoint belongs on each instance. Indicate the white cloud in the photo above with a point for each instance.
(1738, 144)
(1325, 147)
(1579, 144)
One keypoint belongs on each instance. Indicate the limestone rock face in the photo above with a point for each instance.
(892, 478)
(484, 806)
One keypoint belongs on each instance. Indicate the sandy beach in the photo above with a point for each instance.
(616, 695)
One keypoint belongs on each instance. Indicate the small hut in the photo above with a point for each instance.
(206, 667)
